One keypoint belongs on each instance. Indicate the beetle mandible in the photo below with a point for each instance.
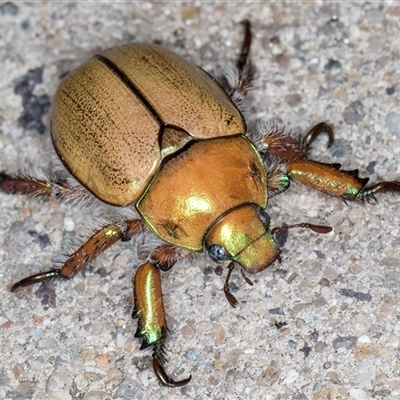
(140, 128)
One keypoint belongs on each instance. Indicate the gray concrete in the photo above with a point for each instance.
(336, 296)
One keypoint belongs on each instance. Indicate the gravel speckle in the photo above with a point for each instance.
(195, 356)
(9, 8)
(127, 389)
(276, 311)
(346, 342)
(24, 391)
(332, 64)
(392, 121)
(34, 106)
(354, 113)
(356, 295)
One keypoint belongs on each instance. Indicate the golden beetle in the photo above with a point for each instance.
(140, 128)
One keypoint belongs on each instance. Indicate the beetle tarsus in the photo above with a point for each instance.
(162, 376)
(368, 193)
(30, 280)
(315, 131)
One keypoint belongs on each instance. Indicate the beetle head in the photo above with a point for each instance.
(243, 236)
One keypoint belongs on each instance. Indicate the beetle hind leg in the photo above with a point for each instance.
(43, 186)
(28, 185)
(240, 78)
(243, 64)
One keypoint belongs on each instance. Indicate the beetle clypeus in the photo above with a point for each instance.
(142, 129)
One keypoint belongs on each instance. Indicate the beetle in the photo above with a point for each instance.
(143, 130)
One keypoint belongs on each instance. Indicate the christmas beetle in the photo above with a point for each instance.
(141, 129)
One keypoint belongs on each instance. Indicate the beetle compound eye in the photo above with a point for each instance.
(218, 253)
(264, 217)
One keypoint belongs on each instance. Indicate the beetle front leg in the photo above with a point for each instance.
(96, 244)
(327, 178)
(330, 179)
(149, 308)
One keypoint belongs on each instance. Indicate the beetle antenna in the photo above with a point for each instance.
(316, 228)
(229, 296)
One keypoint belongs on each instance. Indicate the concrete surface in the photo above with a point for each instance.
(324, 324)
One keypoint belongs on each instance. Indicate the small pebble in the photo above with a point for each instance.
(95, 395)
(114, 374)
(218, 333)
(358, 394)
(102, 360)
(346, 342)
(291, 376)
(121, 340)
(9, 8)
(60, 379)
(364, 339)
(24, 390)
(121, 322)
(88, 354)
(128, 389)
(276, 311)
(392, 121)
(332, 64)
(354, 113)
(190, 13)
(195, 356)
(69, 224)
(188, 331)
(270, 375)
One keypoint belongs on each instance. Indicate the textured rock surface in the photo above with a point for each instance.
(323, 324)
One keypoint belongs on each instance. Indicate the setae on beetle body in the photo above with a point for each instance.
(139, 127)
